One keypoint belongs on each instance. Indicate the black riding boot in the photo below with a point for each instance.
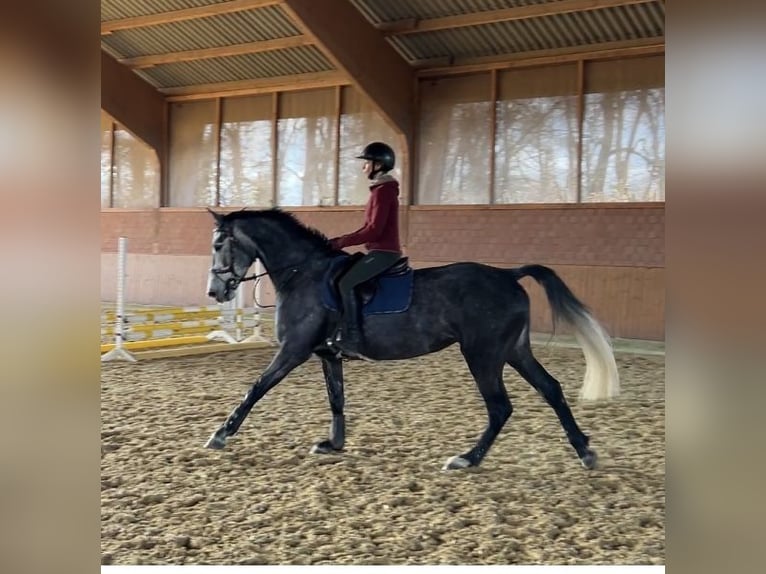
(349, 337)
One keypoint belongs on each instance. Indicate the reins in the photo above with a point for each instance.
(257, 278)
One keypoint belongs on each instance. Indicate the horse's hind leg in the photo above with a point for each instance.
(488, 374)
(535, 374)
(333, 376)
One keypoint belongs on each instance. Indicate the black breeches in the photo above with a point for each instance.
(372, 264)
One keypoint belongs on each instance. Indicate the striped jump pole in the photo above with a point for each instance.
(118, 353)
(257, 336)
(175, 326)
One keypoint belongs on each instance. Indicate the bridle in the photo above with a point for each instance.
(230, 243)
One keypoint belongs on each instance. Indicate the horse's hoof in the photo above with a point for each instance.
(590, 460)
(456, 463)
(323, 447)
(216, 441)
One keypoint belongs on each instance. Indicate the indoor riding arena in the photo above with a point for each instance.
(525, 132)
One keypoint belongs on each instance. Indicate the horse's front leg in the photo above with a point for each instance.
(285, 361)
(333, 376)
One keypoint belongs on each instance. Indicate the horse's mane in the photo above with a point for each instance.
(286, 220)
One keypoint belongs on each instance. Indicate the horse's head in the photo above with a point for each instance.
(230, 261)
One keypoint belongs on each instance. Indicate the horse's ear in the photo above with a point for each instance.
(218, 216)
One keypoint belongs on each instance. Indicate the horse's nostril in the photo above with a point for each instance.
(211, 293)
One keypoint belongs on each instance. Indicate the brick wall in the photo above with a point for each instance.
(170, 231)
(169, 252)
(611, 256)
(615, 235)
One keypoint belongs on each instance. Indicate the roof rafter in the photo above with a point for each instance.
(133, 102)
(414, 26)
(227, 7)
(544, 57)
(260, 85)
(353, 45)
(217, 52)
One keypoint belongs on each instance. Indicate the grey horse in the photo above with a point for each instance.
(482, 308)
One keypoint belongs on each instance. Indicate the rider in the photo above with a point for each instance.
(379, 234)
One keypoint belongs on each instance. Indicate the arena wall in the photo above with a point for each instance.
(611, 255)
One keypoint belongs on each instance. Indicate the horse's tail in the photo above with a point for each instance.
(601, 378)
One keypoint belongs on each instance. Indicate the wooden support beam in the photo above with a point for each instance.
(413, 26)
(493, 89)
(354, 46)
(274, 148)
(257, 86)
(580, 123)
(218, 130)
(217, 52)
(165, 161)
(397, 26)
(438, 62)
(112, 141)
(134, 103)
(186, 14)
(606, 50)
(336, 143)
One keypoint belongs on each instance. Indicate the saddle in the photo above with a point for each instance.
(389, 292)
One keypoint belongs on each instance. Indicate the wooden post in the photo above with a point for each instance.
(218, 114)
(111, 166)
(338, 109)
(274, 147)
(580, 120)
(492, 134)
(165, 159)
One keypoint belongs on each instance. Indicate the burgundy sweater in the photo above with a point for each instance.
(381, 220)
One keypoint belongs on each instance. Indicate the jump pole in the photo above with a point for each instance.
(257, 336)
(118, 353)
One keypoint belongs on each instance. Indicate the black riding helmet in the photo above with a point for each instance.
(381, 153)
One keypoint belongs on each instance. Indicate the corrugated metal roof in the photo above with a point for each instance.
(380, 11)
(301, 60)
(146, 77)
(109, 50)
(549, 32)
(116, 9)
(514, 37)
(223, 30)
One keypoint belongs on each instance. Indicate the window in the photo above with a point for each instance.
(536, 137)
(306, 148)
(624, 131)
(136, 172)
(538, 152)
(246, 177)
(360, 124)
(106, 160)
(130, 169)
(455, 140)
(232, 162)
(193, 169)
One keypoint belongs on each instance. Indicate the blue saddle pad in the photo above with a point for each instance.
(392, 295)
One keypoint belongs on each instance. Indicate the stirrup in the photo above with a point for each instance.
(341, 353)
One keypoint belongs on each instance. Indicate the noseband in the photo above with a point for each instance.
(230, 243)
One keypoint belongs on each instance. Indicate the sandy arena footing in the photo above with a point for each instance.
(385, 500)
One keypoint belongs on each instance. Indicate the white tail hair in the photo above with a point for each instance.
(601, 380)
